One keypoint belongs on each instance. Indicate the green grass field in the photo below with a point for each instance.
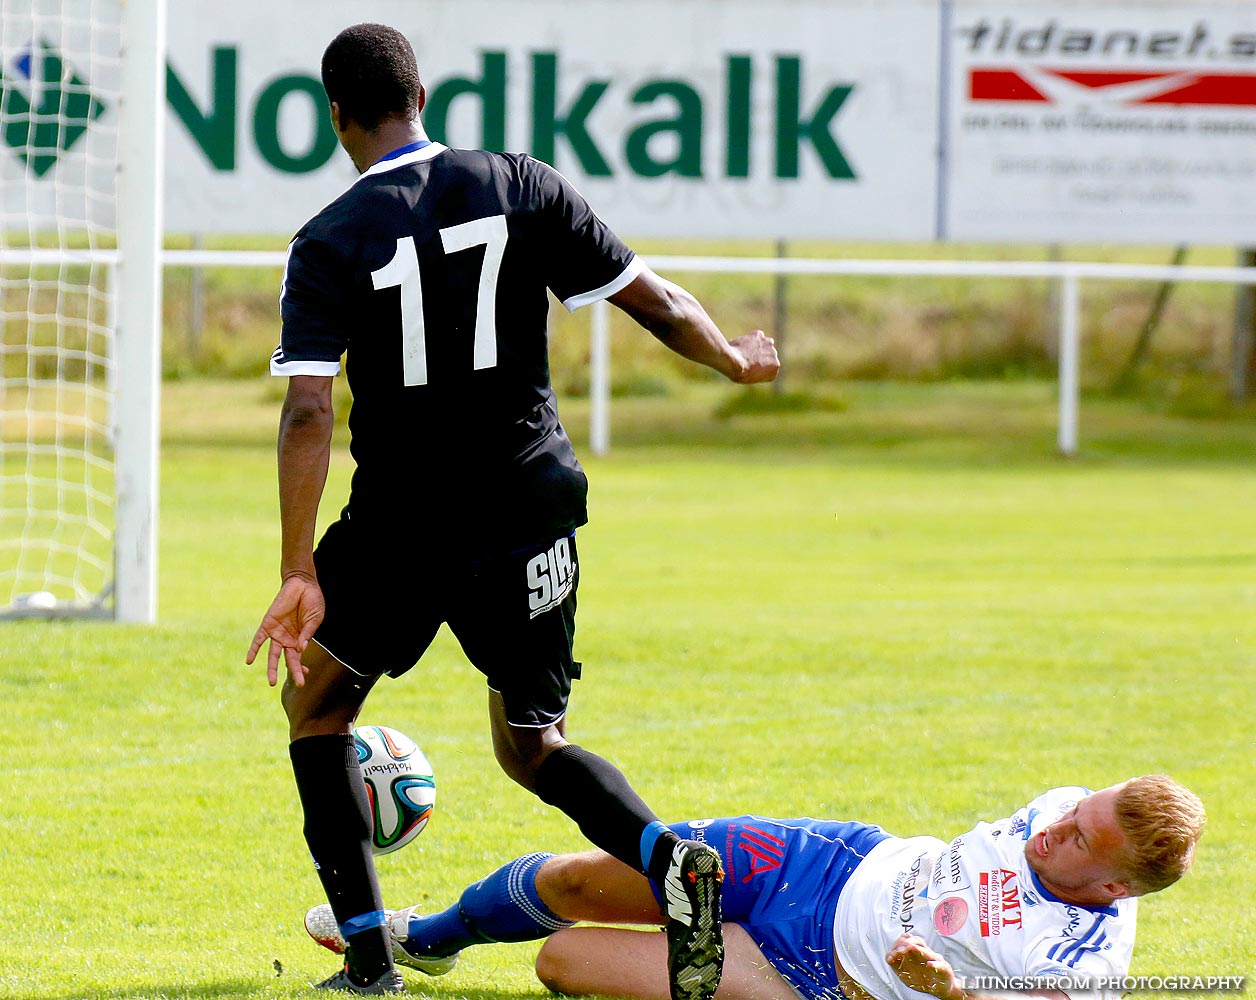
(903, 608)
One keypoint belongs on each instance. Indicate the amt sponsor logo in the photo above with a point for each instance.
(999, 900)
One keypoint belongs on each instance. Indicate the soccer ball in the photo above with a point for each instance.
(399, 784)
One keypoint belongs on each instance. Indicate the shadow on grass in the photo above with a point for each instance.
(234, 988)
(279, 988)
(993, 422)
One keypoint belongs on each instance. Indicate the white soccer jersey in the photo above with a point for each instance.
(977, 902)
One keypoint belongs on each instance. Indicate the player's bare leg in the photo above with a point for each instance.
(609, 961)
(594, 887)
(330, 699)
(520, 750)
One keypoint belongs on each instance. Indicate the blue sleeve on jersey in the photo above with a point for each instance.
(583, 258)
(312, 308)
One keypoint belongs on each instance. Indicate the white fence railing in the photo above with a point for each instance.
(1069, 274)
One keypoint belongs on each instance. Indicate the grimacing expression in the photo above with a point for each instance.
(1079, 857)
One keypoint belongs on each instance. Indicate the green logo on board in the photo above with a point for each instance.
(45, 106)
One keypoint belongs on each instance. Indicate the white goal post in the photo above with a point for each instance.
(82, 106)
(141, 195)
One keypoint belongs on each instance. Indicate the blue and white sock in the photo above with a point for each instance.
(503, 906)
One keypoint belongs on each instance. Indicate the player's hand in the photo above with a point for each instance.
(922, 969)
(759, 353)
(290, 621)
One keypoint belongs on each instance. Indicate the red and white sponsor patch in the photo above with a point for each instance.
(950, 915)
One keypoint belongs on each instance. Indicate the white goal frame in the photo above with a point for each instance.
(133, 276)
(140, 225)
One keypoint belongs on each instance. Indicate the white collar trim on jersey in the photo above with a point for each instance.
(406, 159)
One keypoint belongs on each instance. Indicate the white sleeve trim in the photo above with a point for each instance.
(329, 368)
(626, 278)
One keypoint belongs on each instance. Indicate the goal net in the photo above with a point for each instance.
(62, 79)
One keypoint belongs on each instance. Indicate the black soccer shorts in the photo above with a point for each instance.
(515, 615)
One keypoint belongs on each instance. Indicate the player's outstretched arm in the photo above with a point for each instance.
(924, 970)
(305, 428)
(677, 319)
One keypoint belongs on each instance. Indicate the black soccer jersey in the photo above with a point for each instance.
(430, 274)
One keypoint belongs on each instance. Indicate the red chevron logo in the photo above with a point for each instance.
(1128, 88)
(765, 849)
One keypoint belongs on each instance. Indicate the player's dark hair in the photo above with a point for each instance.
(370, 71)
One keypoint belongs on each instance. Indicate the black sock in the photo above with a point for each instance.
(661, 856)
(338, 832)
(595, 793)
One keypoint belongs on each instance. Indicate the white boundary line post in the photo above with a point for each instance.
(141, 151)
(1070, 335)
(599, 378)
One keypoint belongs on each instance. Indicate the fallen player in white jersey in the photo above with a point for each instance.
(1044, 900)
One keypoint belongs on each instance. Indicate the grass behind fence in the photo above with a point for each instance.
(852, 327)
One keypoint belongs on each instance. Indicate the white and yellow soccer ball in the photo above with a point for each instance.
(399, 784)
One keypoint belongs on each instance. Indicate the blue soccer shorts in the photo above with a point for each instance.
(782, 878)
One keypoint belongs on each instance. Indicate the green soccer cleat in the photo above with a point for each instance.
(695, 932)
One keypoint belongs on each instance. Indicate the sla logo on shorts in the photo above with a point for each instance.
(550, 576)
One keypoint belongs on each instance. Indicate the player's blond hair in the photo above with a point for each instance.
(1162, 823)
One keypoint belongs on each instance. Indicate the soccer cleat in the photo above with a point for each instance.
(399, 929)
(388, 982)
(695, 934)
(321, 925)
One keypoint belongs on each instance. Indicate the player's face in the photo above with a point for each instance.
(1078, 857)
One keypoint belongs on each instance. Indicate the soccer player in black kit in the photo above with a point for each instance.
(430, 275)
